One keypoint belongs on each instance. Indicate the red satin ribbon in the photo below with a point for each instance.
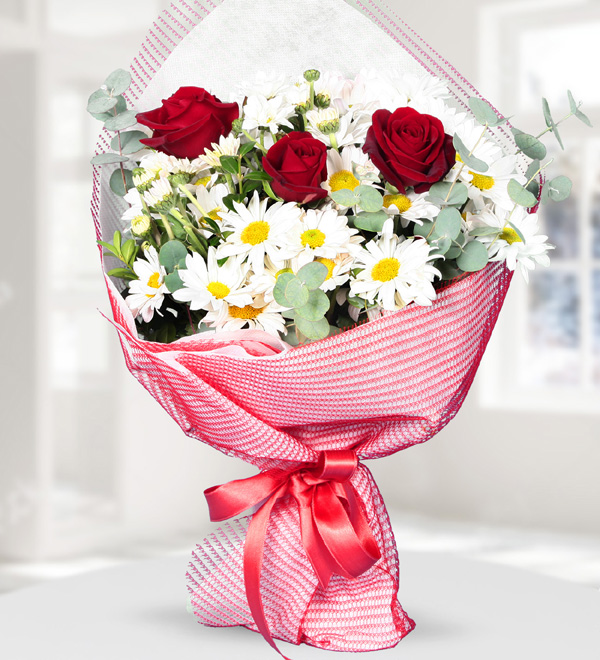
(335, 531)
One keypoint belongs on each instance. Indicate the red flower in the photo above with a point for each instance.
(298, 165)
(188, 122)
(409, 148)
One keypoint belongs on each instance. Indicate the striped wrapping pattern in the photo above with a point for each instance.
(381, 387)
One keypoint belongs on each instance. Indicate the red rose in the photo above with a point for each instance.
(409, 148)
(188, 122)
(298, 165)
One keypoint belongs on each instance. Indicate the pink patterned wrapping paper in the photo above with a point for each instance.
(378, 388)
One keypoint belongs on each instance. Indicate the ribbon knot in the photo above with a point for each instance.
(335, 532)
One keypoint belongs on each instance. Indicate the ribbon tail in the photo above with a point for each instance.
(253, 561)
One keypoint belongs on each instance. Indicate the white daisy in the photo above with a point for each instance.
(322, 233)
(507, 245)
(396, 271)
(228, 146)
(209, 286)
(148, 292)
(348, 169)
(493, 185)
(411, 207)
(160, 192)
(210, 201)
(352, 127)
(260, 230)
(338, 270)
(259, 315)
(264, 283)
(271, 114)
(266, 85)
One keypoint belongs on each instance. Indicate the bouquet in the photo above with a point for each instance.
(304, 272)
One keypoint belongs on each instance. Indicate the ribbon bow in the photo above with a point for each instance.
(335, 531)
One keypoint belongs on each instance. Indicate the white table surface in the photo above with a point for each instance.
(463, 609)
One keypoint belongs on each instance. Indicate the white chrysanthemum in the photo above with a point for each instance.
(148, 292)
(396, 271)
(344, 167)
(210, 201)
(209, 286)
(134, 199)
(338, 270)
(322, 233)
(160, 191)
(353, 126)
(493, 185)
(266, 85)
(507, 245)
(260, 230)
(228, 146)
(259, 315)
(398, 90)
(270, 114)
(411, 207)
(264, 283)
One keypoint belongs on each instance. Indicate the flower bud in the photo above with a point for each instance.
(303, 108)
(329, 127)
(140, 225)
(312, 75)
(181, 178)
(236, 127)
(322, 100)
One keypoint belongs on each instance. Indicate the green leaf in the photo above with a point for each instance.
(130, 142)
(533, 169)
(108, 158)
(313, 274)
(297, 293)
(315, 308)
(122, 273)
(100, 103)
(117, 241)
(572, 102)
(484, 231)
(370, 221)
(483, 111)
(534, 188)
(280, 287)
(439, 191)
(584, 118)
(313, 329)
(425, 229)
(547, 113)
(257, 176)
(247, 148)
(228, 200)
(170, 254)
(558, 137)
(113, 251)
(517, 231)
(174, 282)
(520, 195)
(116, 181)
(448, 270)
(370, 199)
(167, 334)
(531, 146)
(448, 223)
(230, 164)
(355, 301)
(118, 82)
(454, 251)
(345, 197)
(121, 122)
(557, 190)
(117, 110)
(468, 159)
(473, 258)
(128, 249)
(441, 245)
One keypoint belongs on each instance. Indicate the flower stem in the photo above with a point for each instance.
(167, 226)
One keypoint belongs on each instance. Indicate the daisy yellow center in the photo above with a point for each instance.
(482, 181)
(343, 180)
(246, 313)
(214, 214)
(256, 233)
(203, 181)
(401, 202)
(154, 281)
(510, 236)
(330, 266)
(218, 290)
(313, 238)
(385, 270)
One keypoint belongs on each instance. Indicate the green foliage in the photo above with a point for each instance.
(257, 176)
(100, 102)
(448, 224)
(130, 142)
(247, 148)
(230, 164)
(171, 255)
(468, 159)
(121, 122)
(108, 158)
(313, 274)
(520, 195)
(484, 113)
(445, 193)
(550, 122)
(370, 199)
(122, 273)
(531, 146)
(474, 257)
(173, 281)
(557, 190)
(315, 307)
(313, 329)
(125, 252)
(116, 181)
(118, 82)
(344, 197)
(370, 221)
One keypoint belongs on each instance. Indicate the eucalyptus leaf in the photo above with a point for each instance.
(107, 159)
(174, 282)
(448, 223)
(441, 246)
(484, 231)
(121, 122)
(101, 104)
(116, 181)
(468, 159)
(313, 274)
(425, 229)
(315, 308)
(280, 287)
(473, 258)
(448, 269)
(483, 111)
(533, 169)
(534, 188)
(440, 191)
(344, 197)
(297, 293)
(557, 190)
(584, 118)
(531, 146)
(370, 221)
(313, 329)
(572, 102)
(130, 142)
(520, 195)
(370, 199)
(118, 82)
(547, 113)
(118, 109)
(170, 254)
(454, 251)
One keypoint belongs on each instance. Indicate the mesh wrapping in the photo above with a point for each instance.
(378, 388)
